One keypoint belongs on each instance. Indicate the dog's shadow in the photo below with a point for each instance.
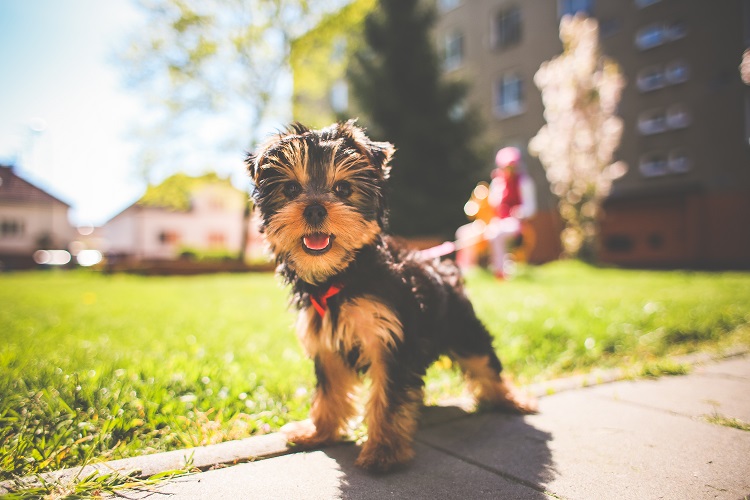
(458, 455)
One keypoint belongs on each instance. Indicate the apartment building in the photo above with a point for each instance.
(685, 200)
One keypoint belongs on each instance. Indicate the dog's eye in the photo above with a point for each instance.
(342, 189)
(292, 189)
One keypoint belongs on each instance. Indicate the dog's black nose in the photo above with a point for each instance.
(315, 214)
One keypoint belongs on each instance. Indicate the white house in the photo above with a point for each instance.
(199, 215)
(31, 219)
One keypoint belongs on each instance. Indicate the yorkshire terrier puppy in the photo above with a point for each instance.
(367, 306)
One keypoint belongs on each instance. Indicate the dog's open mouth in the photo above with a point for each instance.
(317, 243)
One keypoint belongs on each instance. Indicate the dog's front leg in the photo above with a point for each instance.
(392, 414)
(332, 404)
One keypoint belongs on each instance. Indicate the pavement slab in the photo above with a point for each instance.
(330, 474)
(583, 446)
(737, 367)
(698, 396)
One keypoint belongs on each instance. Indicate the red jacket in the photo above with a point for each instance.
(511, 195)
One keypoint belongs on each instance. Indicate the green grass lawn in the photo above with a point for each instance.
(98, 367)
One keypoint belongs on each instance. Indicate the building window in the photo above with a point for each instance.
(650, 36)
(506, 28)
(656, 77)
(677, 72)
(655, 121)
(509, 96)
(678, 116)
(679, 162)
(660, 164)
(654, 165)
(676, 30)
(650, 78)
(652, 122)
(645, 3)
(446, 5)
(339, 96)
(619, 243)
(657, 34)
(169, 237)
(11, 229)
(454, 51)
(572, 7)
(217, 240)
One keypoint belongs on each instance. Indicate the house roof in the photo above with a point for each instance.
(175, 193)
(14, 189)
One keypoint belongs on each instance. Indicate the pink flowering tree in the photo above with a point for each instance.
(580, 91)
(745, 67)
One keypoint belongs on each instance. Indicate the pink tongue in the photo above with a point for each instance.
(317, 241)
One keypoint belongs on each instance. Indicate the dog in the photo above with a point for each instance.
(367, 304)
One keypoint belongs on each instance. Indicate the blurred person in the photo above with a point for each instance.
(513, 197)
(497, 211)
(471, 245)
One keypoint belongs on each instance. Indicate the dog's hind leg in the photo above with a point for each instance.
(490, 388)
(472, 350)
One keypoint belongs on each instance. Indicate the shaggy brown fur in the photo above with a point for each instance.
(367, 306)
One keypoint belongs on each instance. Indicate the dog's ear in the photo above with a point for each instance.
(254, 160)
(251, 161)
(379, 153)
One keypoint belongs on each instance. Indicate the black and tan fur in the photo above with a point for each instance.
(395, 313)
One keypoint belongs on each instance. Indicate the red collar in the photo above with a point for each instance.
(320, 303)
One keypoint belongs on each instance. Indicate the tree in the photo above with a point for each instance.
(745, 67)
(396, 79)
(580, 91)
(200, 59)
(175, 193)
(319, 59)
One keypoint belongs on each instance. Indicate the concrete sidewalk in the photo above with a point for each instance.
(643, 439)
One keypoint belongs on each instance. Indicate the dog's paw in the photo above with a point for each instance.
(518, 403)
(505, 397)
(526, 404)
(305, 435)
(380, 458)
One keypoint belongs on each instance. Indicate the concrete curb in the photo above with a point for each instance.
(599, 377)
(202, 457)
(272, 445)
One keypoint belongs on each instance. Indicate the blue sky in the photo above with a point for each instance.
(56, 59)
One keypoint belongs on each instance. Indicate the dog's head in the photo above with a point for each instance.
(321, 196)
